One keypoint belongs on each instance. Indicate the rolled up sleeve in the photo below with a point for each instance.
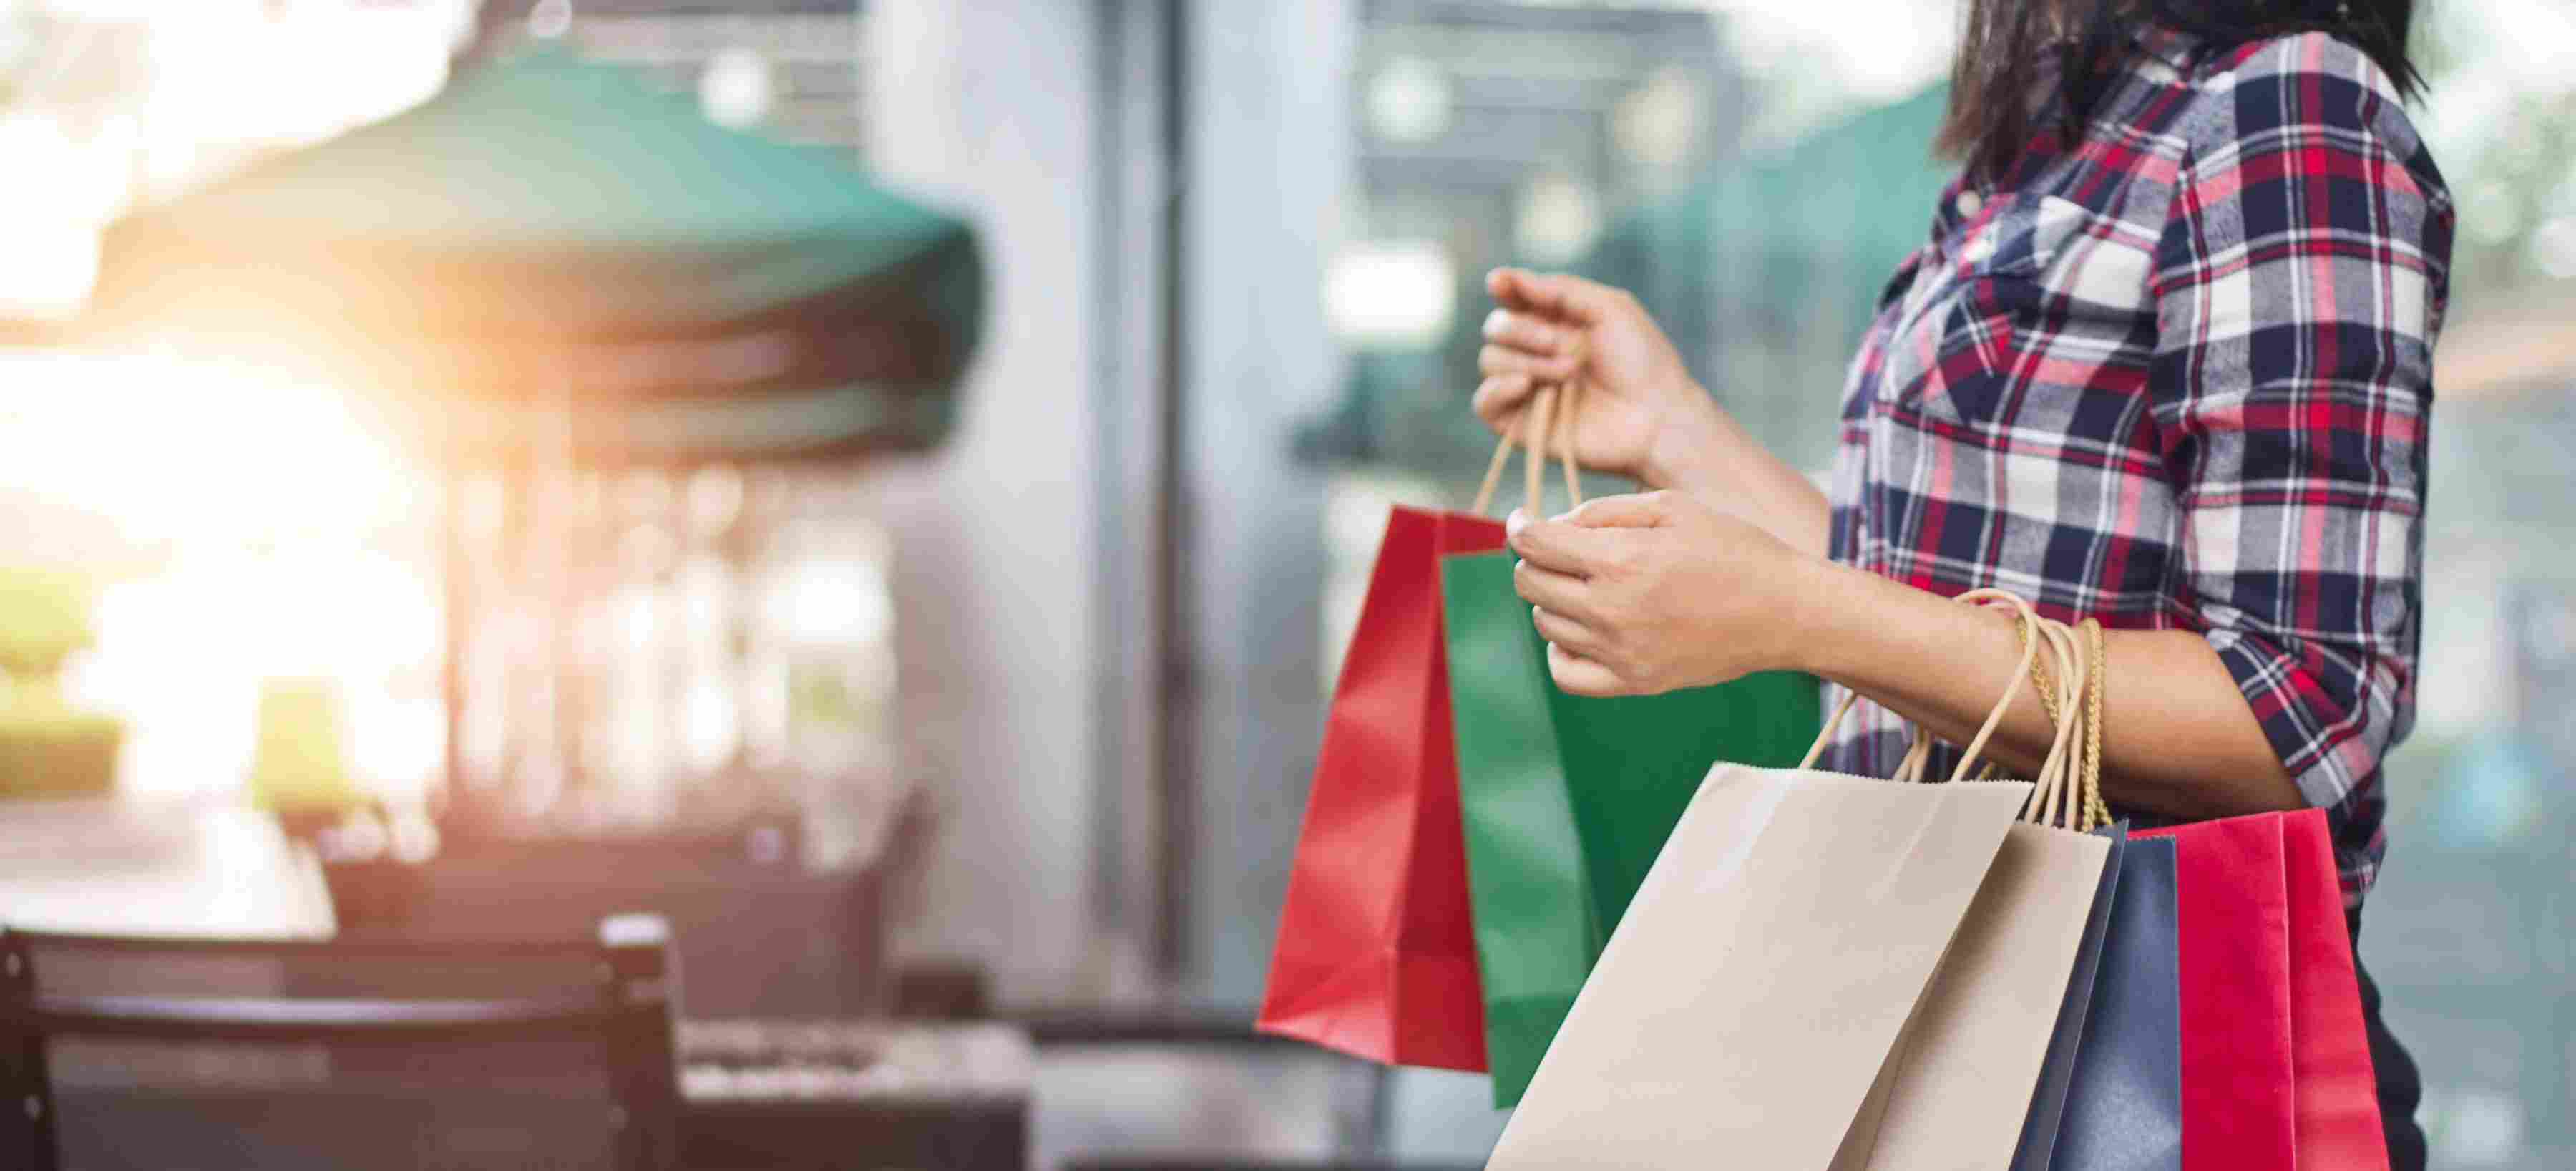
(2299, 287)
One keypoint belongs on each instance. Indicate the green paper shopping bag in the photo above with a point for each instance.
(1567, 799)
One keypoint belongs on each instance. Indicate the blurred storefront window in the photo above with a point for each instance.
(1489, 134)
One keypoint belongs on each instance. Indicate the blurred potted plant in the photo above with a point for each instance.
(46, 748)
(299, 765)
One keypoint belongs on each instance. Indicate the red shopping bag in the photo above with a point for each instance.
(2232, 920)
(2276, 1072)
(1376, 954)
(2338, 1090)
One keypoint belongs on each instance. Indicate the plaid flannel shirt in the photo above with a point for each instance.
(2179, 377)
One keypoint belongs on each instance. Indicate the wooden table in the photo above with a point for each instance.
(854, 1096)
(189, 866)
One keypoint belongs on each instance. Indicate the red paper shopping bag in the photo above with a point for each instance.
(2276, 1072)
(2232, 920)
(2337, 1098)
(1376, 954)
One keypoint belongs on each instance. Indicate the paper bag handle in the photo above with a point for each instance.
(2061, 710)
(1994, 718)
(1561, 401)
(2080, 806)
(2067, 794)
(2084, 809)
(2034, 631)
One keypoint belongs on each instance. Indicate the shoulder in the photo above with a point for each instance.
(2314, 93)
(2310, 57)
(2297, 148)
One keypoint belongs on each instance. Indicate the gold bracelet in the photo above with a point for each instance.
(2096, 810)
(2042, 680)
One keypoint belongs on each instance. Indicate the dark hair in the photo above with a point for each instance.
(1996, 100)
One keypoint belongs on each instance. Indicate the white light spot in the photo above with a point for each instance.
(1558, 217)
(736, 89)
(1393, 295)
(1409, 101)
(1658, 123)
(550, 19)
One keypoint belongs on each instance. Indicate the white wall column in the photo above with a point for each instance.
(1270, 148)
(987, 107)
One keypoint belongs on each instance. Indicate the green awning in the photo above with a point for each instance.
(550, 226)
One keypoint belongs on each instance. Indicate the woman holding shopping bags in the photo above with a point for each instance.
(2165, 361)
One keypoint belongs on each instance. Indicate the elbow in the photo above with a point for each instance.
(2329, 715)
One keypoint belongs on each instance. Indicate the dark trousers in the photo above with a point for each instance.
(2401, 1085)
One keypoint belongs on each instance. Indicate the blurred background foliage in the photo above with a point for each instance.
(2502, 121)
(48, 749)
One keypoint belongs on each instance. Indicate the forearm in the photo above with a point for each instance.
(1709, 455)
(2177, 736)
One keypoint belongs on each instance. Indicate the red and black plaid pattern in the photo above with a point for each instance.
(2178, 376)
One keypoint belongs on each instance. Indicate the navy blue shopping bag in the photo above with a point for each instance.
(2048, 1100)
(2123, 1106)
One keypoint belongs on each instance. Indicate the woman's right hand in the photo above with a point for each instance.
(1642, 414)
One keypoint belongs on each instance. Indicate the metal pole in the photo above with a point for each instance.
(1175, 631)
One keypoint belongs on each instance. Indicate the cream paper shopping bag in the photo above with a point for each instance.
(1746, 1002)
(1956, 1092)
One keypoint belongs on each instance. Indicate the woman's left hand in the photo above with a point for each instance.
(1643, 594)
